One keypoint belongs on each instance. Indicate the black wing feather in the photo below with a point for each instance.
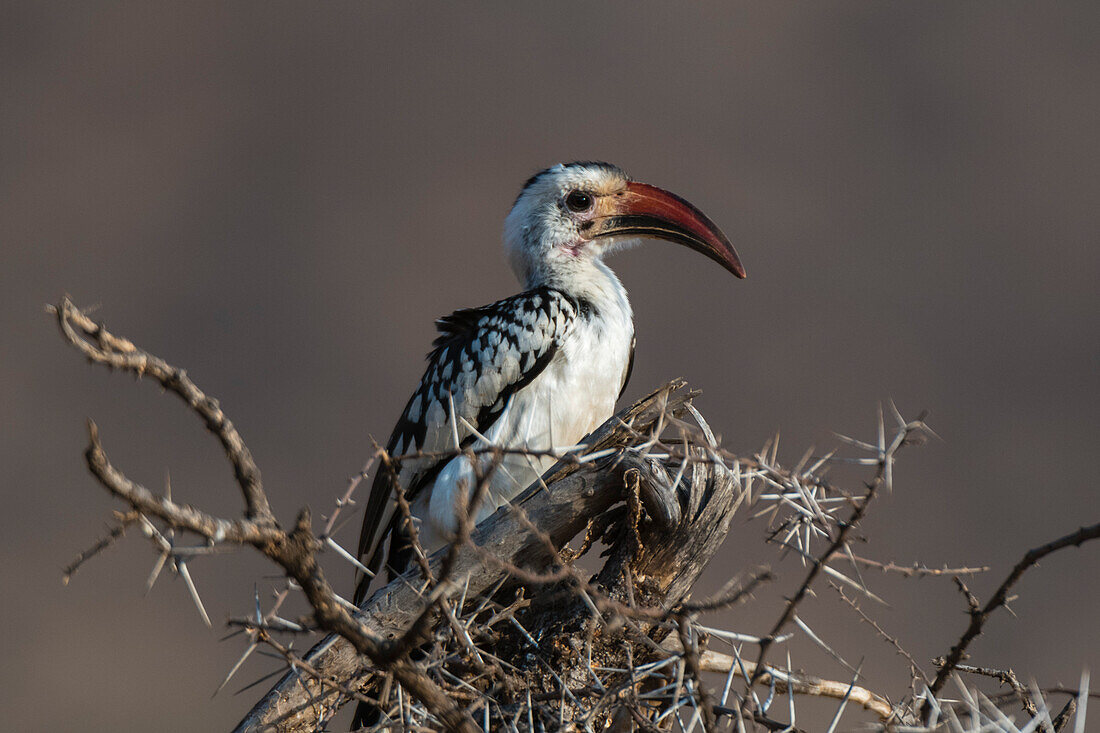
(481, 357)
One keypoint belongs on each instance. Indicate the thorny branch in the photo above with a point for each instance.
(295, 551)
(1006, 676)
(980, 614)
(802, 684)
(863, 617)
(125, 519)
(102, 347)
(623, 648)
(882, 478)
(916, 569)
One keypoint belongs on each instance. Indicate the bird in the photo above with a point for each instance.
(536, 371)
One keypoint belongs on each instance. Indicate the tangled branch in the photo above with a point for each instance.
(980, 614)
(295, 551)
(502, 629)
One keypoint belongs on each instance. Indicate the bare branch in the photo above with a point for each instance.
(124, 521)
(800, 684)
(882, 478)
(1008, 677)
(296, 552)
(916, 569)
(978, 617)
(470, 632)
(180, 516)
(102, 347)
(879, 630)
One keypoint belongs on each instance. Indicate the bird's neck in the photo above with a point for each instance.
(591, 281)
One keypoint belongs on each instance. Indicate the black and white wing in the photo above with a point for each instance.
(481, 358)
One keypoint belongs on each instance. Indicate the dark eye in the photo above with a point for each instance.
(578, 201)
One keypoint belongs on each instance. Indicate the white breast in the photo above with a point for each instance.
(571, 397)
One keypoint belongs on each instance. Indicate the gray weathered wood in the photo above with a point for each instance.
(577, 494)
(654, 573)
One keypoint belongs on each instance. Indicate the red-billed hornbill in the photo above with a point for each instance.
(538, 370)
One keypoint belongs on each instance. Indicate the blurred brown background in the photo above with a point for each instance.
(282, 198)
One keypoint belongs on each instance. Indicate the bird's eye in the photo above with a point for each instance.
(578, 201)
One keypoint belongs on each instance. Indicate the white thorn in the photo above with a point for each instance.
(181, 566)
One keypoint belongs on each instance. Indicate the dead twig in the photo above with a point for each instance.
(916, 569)
(979, 615)
(883, 477)
(102, 347)
(113, 534)
(499, 630)
(295, 551)
(799, 684)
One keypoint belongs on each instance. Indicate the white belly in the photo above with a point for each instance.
(571, 397)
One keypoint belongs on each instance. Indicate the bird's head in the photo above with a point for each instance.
(569, 216)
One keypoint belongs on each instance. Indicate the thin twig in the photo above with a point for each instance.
(863, 617)
(113, 534)
(917, 569)
(102, 347)
(978, 617)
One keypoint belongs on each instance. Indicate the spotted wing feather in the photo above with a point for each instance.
(481, 357)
